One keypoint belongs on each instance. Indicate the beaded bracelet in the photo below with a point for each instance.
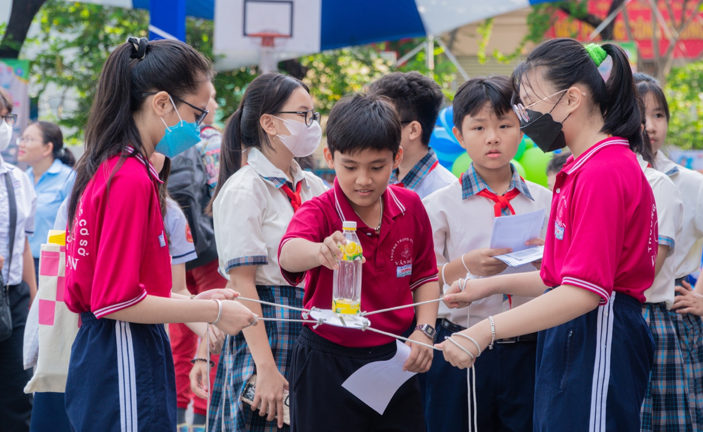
(212, 363)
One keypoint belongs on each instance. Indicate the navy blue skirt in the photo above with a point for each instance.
(121, 378)
(592, 372)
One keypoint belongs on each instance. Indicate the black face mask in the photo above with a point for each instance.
(544, 130)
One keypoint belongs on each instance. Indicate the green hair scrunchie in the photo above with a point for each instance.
(597, 53)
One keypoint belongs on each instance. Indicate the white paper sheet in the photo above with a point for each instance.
(526, 256)
(514, 231)
(377, 382)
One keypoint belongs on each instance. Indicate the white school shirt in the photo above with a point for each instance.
(670, 212)
(690, 184)
(463, 221)
(26, 207)
(251, 215)
(180, 240)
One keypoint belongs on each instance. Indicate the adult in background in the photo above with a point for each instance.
(17, 203)
(191, 183)
(51, 171)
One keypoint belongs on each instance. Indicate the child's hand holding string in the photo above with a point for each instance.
(420, 358)
(235, 317)
(218, 293)
(463, 292)
(457, 356)
(688, 301)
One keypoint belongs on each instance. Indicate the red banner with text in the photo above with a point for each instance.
(644, 25)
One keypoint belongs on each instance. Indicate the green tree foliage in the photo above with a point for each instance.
(684, 92)
(76, 39)
(334, 74)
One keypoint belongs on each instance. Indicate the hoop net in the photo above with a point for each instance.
(267, 51)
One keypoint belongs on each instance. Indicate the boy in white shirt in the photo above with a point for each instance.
(417, 99)
(462, 217)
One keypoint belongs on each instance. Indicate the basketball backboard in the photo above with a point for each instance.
(240, 25)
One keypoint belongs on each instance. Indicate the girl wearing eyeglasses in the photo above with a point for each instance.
(594, 351)
(118, 268)
(252, 207)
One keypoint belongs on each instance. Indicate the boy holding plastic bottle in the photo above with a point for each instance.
(395, 238)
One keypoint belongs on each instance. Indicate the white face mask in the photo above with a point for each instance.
(303, 140)
(5, 135)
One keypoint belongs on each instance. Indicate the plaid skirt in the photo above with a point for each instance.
(689, 329)
(668, 397)
(237, 363)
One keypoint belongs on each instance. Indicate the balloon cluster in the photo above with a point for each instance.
(529, 160)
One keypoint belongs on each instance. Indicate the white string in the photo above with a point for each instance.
(471, 385)
(290, 320)
(400, 307)
(274, 304)
(207, 411)
(401, 338)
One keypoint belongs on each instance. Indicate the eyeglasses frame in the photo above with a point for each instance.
(201, 116)
(315, 116)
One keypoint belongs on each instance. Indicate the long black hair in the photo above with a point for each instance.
(267, 94)
(565, 62)
(648, 85)
(133, 69)
(51, 133)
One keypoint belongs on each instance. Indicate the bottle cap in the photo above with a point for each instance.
(349, 225)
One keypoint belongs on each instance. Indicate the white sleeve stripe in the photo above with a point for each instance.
(424, 281)
(119, 306)
(587, 285)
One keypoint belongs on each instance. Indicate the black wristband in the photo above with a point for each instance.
(212, 363)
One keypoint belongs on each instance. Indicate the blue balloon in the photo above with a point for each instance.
(446, 119)
(444, 142)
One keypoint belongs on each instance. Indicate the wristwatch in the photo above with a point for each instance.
(428, 330)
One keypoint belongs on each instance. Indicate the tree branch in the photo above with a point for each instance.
(21, 17)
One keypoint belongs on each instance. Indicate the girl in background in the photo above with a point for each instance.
(252, 207)
(686, 259)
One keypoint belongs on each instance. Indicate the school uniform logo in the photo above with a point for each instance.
(402, 257)
(162, 239)
(559, 225)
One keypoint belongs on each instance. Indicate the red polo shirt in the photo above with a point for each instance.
(398, 260)
(118, 252)
(602, 233)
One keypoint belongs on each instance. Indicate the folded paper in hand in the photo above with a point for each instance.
(513, 232)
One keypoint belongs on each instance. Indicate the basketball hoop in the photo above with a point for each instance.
(267, 42)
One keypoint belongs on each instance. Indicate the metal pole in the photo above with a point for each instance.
(430, 56)
(453, 59)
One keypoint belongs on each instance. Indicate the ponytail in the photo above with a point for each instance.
(66, 157)
(564, 62)
(134, 68)
(267, 94)
(621, 109)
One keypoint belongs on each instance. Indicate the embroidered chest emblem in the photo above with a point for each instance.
(162, 239)
(559, 224)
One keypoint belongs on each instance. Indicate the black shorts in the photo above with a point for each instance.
(318, 401)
